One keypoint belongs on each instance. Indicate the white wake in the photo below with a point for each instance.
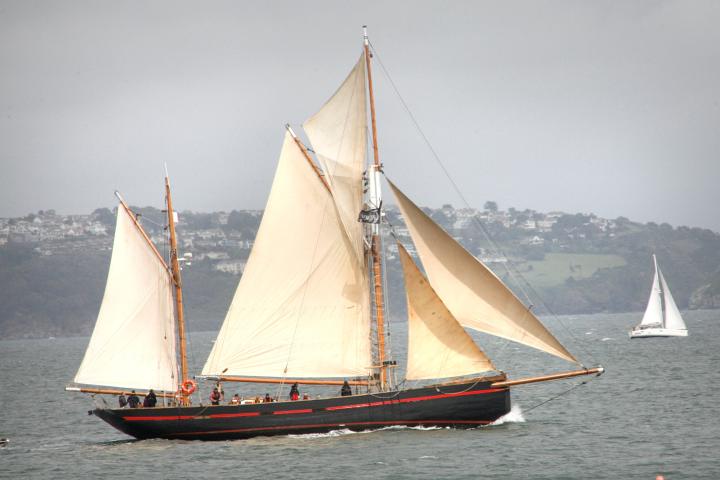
(513, 416)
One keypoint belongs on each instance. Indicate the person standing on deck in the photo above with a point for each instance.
(122, 400)
(133, 400)
(150, 399)
(215, 397)
(220, 389)
(345, 390)
(294, 392)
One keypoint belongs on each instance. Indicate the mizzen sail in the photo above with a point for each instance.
(133, 343)
(301, 308)
(438, 347)
(473, 293)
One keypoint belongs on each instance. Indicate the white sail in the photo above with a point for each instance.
(301, 308)
(673, 319)
(338, 133)
(476, 297)
(653, 313)
(438, 347)
(133, 343)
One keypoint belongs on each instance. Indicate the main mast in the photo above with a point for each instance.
(375, 200)
(175, 266)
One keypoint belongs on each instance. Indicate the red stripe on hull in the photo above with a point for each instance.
(414, 399)
(191, 417)
(310, 410)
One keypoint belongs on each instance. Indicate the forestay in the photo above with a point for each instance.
(133, 343)
(301, 308)
(473, 293)
(438, 347)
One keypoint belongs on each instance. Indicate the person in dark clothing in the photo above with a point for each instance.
(267, 398)
(345, 390)
(215, 397)
(220, 389)
(133, 401)
(294, 392)
(122, 400)
(150, 399)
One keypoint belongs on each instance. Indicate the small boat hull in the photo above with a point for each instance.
(657, 332)
(465, 405)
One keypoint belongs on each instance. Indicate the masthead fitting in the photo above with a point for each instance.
(117, 194)
(289, 129)
(365, 36)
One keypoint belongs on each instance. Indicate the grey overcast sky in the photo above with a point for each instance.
(582, 106)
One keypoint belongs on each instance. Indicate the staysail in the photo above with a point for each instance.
(473, 293)
(654, 312)
(133, 343)
(338, 133)
(301, 308)
(438, 347)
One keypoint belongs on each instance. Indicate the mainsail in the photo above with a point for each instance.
(438, 347)
(302, 306)
(133, 343)
(476, 297)
(653, 313)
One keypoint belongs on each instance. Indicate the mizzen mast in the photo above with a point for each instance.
(375, 201)
(175, 267)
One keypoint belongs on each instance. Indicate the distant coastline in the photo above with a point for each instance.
(53, 266)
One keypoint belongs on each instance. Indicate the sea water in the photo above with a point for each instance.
(654, 412)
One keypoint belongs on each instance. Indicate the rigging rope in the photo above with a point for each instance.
(517, 277)
(562, 393)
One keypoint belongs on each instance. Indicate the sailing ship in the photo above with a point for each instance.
(310, 307)
(662, 317)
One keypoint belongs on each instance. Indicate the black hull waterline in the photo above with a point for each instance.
(465, 405)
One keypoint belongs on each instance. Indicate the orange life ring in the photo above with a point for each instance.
(188, 387)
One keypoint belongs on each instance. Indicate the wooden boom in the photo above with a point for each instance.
(112, 391)
(289, 381)
(546, 378)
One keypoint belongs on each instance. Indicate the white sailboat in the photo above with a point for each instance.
(662, 317)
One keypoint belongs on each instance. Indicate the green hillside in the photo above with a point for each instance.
(556, 268)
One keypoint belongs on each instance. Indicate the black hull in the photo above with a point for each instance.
(465, 405)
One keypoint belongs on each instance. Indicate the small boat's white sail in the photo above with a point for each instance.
(302, 306)
(133, 343)
(673, 319)
(653, 313)
(662, 317)
(472, 292)
(438, 347)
